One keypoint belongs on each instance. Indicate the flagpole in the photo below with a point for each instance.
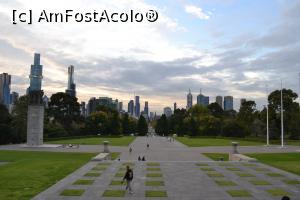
(267, 116)
(281, 107)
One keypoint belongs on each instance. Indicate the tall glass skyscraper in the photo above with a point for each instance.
(5, 81)
(36, 74)
(219, 100)
(189, 99)
(202, 100)
(71, 90)
(137, 106)
(131, 107)
(146, 108)
(228, 103)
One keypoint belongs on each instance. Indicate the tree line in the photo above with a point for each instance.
(248, 121)
(63, 119)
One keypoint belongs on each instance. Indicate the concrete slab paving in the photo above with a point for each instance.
(183, 179)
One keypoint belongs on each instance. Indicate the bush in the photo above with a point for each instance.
(233, 128)
(52, 130)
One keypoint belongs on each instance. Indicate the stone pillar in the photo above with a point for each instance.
(234, 147)
(35, 125)
(105, 144)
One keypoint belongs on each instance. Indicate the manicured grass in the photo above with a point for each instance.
(260, 169)
(72, 192)
(292, 182)
(116, 182)
(225, 183)
(274, 174)
(114, 155)
(152, 164)
(233, 169)
(28, 173)
(83, 182)
(278, 192)
(114, 193)
(259, 182)
(120, 174)
(154, 183)
(239, 193)
(153, 175)
(128, 164)
(153, 169)
(202, 164)
(206, 142)
(249, 164)
(225, 164)
(286, 161)
(245, 175)
(99, 168)
(217, 156)
(113, 141)
(207, 169)
(214, 174)
(92, 174)
(155, 193)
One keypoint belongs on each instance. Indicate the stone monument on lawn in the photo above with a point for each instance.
(35, 116)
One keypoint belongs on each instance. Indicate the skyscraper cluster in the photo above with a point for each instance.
(203, 100)
(134, 108)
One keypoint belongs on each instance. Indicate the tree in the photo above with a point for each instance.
(176, 124)
(142, 126)
(162, 127)
(247, 114)
(97, 123)
(233, 128)
(125, 124)
(64, 109)
(215, 109)
(290, 110)
(114, 127)
(5, 123)
(19, 119)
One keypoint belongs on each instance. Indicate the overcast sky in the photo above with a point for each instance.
(225, 47)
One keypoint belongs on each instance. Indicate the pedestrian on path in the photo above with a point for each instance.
(148, 146)
(139, 159)
(128, 177)
(130, 150)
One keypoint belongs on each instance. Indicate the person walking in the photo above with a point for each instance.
(148, 145)
(130, 150)
(128, 177)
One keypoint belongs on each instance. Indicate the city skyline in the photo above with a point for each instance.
(193, 45)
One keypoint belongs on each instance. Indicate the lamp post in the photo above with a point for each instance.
(281, 108)
(267, 107)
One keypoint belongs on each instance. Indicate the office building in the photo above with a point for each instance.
(175, 106)
(36, 74)
(120, 106)
(243, 100)
(131, 107)
(5, 81)
(83, 110)
(189, 99)
(146, 108)
(228, 103)
(137, 106)
(168, 111)
(101, 101)
(202, 100)
(71, 90)
(219, 100)
(14, 96)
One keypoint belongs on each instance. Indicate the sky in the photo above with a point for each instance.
(223, 47)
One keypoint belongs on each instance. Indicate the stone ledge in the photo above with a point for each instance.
(240, 157)
(101, 156)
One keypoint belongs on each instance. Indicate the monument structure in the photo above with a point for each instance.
(35, 116)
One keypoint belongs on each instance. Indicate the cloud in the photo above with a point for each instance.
(197, 12)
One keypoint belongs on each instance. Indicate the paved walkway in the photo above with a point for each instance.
(182, 172)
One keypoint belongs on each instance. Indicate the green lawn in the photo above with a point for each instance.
(217, 156)
(206, 141)
(113, 141)
(29, 173)
(286, 161)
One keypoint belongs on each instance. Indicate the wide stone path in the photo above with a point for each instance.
(174, 171)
